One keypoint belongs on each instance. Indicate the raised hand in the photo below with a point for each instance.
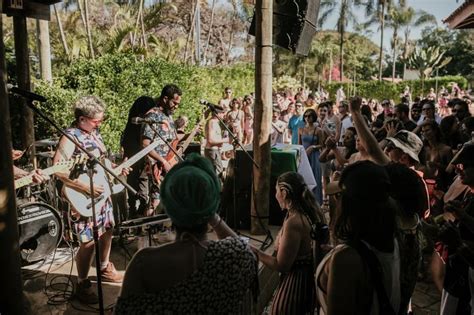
(355, 104)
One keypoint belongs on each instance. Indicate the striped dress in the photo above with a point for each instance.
(296, 293)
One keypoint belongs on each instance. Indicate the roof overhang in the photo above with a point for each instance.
(462, 17)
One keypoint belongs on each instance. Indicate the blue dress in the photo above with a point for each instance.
(313, 158)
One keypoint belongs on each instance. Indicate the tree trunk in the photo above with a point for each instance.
(394, 59)
(88, 28)
(44, 49)
(231, 37)
(191, 28)
(382, 26)
(11, 300)
(137, 25)
(331, 65)
(23, 75)
(81, 11)
(61, 32)
(142, 22)
(204, 58)
(197, 39)
(341, 57)
(263, 115)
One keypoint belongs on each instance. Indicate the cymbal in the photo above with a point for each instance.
(46, 143)
(45, 154)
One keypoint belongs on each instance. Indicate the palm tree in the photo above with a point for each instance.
(346, 16)
(396, 19)
(426, 60)
(412, 18)
(377, 10)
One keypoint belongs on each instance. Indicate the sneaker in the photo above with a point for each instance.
(110, 274)
(85, 294)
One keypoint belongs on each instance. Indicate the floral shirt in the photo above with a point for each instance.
(165, 128)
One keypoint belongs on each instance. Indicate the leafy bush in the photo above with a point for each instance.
(121, 78)
(388, 90)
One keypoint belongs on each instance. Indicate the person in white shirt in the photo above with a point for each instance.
(278, 128)
(345, 117)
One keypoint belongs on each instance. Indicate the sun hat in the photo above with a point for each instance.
(408, 142)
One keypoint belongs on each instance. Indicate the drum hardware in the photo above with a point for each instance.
(149, 224)
(46, 143)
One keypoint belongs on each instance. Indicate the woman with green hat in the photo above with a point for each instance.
(192, 275)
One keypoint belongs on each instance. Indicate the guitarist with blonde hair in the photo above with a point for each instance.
(89, 115)
(166, 105)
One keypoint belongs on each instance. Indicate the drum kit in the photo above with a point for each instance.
(43, 219)
(40, 223)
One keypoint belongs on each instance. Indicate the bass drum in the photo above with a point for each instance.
(40, 228)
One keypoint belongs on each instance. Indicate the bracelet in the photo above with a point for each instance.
(218, 222)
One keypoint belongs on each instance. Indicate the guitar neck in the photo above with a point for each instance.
(28, 179)
(192, 134)
(134, 159)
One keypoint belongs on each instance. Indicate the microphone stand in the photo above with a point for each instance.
(91, 163)
(235, 141)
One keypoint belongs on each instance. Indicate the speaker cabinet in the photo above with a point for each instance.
(294, 24)
(237, 213)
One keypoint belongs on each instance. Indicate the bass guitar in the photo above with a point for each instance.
(171, 157)
(82, 202)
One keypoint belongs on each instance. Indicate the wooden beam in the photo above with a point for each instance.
(31, 9)
(11, 299)
(23, 78)
(263, 115)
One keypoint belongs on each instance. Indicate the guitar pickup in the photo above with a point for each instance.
(96, 200)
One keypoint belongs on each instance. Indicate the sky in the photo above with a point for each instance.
(441, 9)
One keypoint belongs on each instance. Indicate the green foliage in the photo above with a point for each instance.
(388, 90)
(121, 78)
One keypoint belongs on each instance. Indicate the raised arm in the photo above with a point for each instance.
(365, 135)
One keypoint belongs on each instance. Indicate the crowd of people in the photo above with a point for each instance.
(397, 181)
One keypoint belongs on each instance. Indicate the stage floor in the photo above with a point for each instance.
(38, 278)
(426, 299)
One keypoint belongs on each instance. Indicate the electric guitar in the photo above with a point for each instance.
(171, 157)
(82, 202)
(56, 168)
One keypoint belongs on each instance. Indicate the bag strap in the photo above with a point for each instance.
(376, 272)
(314, 133)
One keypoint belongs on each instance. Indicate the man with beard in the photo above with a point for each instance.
(166, 105)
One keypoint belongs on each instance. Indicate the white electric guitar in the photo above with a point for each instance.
(56, 168)
(82, 202)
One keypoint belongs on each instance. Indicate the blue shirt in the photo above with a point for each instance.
(294, 124)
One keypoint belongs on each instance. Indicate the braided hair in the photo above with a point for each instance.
(301, 199)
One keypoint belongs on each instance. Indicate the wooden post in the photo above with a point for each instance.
(44, 49)
(23, 75)
(263, 115)
(11, 299)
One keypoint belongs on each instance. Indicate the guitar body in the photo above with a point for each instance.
(81, 202)
(157, 169)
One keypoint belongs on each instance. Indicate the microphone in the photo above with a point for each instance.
(139, 121)
(26, 94)
(212, 106)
